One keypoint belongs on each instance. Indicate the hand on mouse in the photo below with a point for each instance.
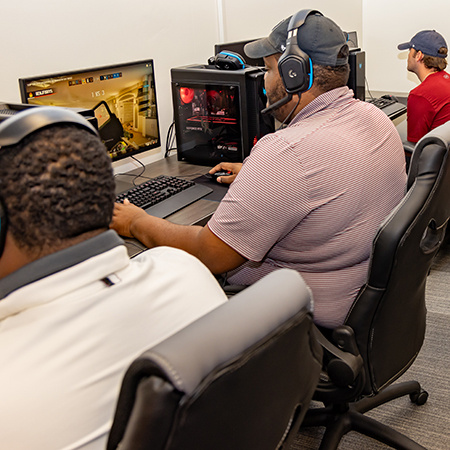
(232, 168)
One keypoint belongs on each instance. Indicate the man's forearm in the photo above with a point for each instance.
(154, 232)
(198, 241)
(129, 220)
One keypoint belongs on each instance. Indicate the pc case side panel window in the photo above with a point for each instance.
(208, 121)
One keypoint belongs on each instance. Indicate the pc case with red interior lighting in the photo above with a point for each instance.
(217, 112)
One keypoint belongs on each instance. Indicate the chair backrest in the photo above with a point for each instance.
(240, 377)
(389, 314)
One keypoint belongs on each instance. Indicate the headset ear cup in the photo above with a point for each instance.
(294, 65)
(296, 73)
(3, 223)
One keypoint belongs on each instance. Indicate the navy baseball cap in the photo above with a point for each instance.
(319, 37)
(428, 42)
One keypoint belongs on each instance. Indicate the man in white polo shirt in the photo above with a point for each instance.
(74, 309)
(311, 195)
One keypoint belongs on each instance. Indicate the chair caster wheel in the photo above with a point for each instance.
(419, 398)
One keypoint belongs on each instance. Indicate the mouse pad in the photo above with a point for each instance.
(219, 190)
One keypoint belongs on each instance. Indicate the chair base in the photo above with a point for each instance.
(340, 419)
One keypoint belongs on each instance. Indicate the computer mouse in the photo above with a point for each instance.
(390, 97)
(220, 173)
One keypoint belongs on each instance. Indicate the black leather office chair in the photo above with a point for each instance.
(385, 328)
(240, 377)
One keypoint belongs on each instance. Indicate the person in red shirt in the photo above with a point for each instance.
(429, 103)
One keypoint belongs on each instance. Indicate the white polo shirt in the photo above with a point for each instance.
(70, 325)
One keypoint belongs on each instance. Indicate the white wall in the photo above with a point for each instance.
(50, 36)
(386, 24)
(246, 19)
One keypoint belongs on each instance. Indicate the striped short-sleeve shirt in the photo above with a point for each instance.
(311, 197)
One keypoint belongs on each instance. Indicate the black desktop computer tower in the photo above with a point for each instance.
(357, 78)
(217, 113)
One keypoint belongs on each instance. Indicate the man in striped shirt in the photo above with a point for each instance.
(311, 195)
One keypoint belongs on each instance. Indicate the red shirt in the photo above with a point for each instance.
(428, 105)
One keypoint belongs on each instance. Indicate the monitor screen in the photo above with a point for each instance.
(352, 40)
(122, 96)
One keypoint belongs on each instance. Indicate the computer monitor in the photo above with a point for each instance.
(217, 113)
(122, 96)
(238, 47)
(352, 40)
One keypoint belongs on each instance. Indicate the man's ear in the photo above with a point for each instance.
(12, 257)
(419, 56)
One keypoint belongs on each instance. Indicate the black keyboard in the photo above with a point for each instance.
(8, 112)
(164, 195)
(382, 102)
(390, 106)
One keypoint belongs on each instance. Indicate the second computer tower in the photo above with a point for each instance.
(357, 77)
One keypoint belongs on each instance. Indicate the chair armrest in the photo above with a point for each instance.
(343, 363)
(408, 147)
(232, 289)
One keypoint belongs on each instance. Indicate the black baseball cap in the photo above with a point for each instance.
(319, 37)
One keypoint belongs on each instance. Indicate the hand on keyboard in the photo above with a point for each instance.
(123, 216)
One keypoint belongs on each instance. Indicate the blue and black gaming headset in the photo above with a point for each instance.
(294, 65)
(21, 125)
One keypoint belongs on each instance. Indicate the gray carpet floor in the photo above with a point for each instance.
(429, 424)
